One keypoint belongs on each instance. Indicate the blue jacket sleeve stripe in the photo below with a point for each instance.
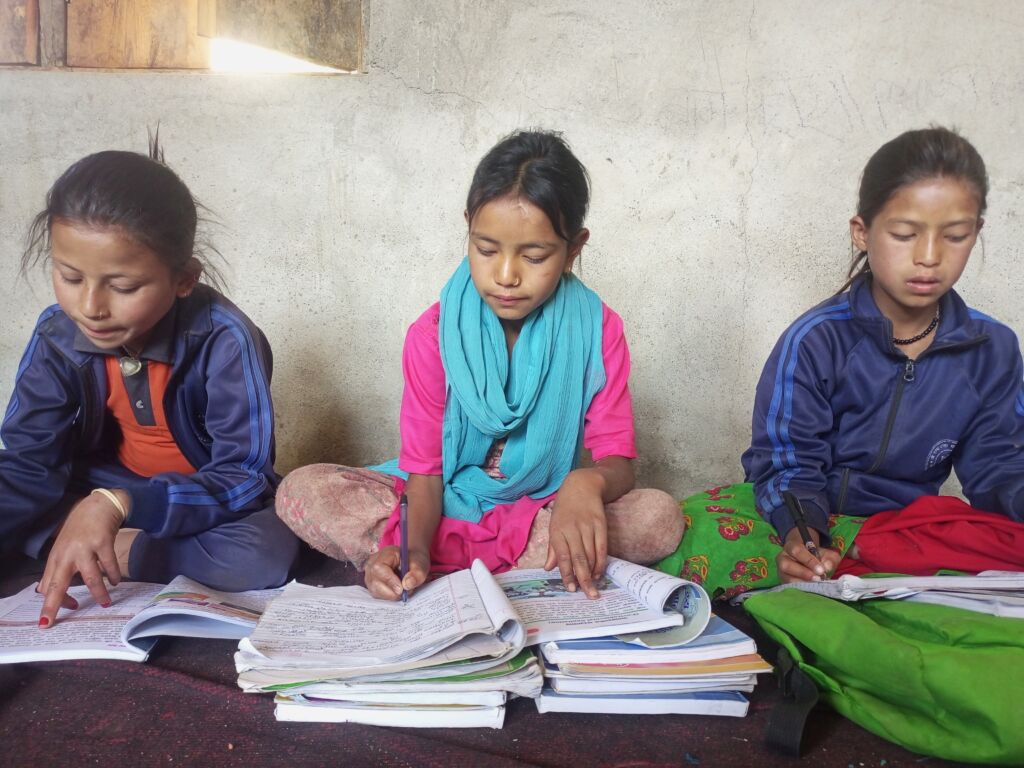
(780, 411)
(260, 425)
(193, 493)
(26, 359)
(258, 399)
(261, 418)
(260, 415)
(237, 497)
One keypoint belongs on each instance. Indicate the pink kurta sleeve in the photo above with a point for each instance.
(422, 414)
(608, 427)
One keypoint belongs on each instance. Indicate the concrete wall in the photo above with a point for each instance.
(725, 141)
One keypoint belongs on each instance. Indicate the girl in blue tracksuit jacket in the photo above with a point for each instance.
(139, 439)
(871, 398)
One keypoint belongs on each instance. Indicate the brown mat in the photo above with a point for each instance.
(183, 708)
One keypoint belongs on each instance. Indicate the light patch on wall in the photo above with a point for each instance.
(233, 56)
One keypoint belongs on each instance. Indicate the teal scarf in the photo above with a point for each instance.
(537, 403)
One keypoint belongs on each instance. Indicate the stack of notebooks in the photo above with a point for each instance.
(652, 673)
(452, 655)
(449, 657)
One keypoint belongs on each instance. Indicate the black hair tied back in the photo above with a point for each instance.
(539, 167)
(134, 193)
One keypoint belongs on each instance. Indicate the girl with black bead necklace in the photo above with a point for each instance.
(870, 399)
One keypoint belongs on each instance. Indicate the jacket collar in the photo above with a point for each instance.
(956, 326)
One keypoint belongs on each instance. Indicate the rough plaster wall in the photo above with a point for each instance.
(725, 140)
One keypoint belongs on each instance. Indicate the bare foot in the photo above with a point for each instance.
(123, 548)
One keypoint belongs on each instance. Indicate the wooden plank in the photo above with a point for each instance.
(135, 34)
(53, 32)
(19, 31)
(325, 33)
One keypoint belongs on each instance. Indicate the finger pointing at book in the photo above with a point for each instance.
(85, 545)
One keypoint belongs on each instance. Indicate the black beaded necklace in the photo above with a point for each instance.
(931, 327)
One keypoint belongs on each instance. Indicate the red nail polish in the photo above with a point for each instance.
(105, 605)
(74, 604)
(43, 621)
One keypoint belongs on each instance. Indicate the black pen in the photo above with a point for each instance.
(403, 532)
(797, 511)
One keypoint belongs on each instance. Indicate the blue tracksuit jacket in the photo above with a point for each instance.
(850, 425)
(217, 405)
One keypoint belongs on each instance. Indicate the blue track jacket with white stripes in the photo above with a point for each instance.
(852, 426)
(218, 410)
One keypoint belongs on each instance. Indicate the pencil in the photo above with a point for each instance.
(403, 532)
(797, 511)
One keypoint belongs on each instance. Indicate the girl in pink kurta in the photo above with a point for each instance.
(506, 377)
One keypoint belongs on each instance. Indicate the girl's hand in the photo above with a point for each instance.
(84, 545)
(796, 563)
(382, 572)
(578, 534)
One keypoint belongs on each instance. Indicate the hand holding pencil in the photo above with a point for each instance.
(396, 572)
(391, 580)
(802, 559)
(382, 572)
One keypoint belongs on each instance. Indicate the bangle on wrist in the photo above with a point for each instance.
(112, 498)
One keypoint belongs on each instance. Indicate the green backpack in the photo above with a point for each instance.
(939, 681)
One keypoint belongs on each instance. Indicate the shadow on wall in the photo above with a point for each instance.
(313, 423)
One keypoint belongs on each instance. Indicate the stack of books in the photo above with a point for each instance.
(470, 700)
(452, 655)
(652, 673)
(448, 657)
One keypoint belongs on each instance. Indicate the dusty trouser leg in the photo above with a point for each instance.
(340, 511)
(644, 526)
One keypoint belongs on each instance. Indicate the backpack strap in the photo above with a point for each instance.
(799, 697)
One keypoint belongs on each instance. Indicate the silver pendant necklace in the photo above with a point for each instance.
(130, 363)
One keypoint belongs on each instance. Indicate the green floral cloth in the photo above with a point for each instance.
(729, 548)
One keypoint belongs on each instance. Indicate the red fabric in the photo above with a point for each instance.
(498, 539)
(936, 532)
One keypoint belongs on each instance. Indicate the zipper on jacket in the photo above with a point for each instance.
(905, 378)
(841, 504)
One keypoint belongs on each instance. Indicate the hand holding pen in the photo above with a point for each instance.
(801, 558)
(395, 572)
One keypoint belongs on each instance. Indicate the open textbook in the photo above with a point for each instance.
(336, 633)
(719, 640)
(998, 593)
(459, 624)
(634, 599)
(138, 615)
